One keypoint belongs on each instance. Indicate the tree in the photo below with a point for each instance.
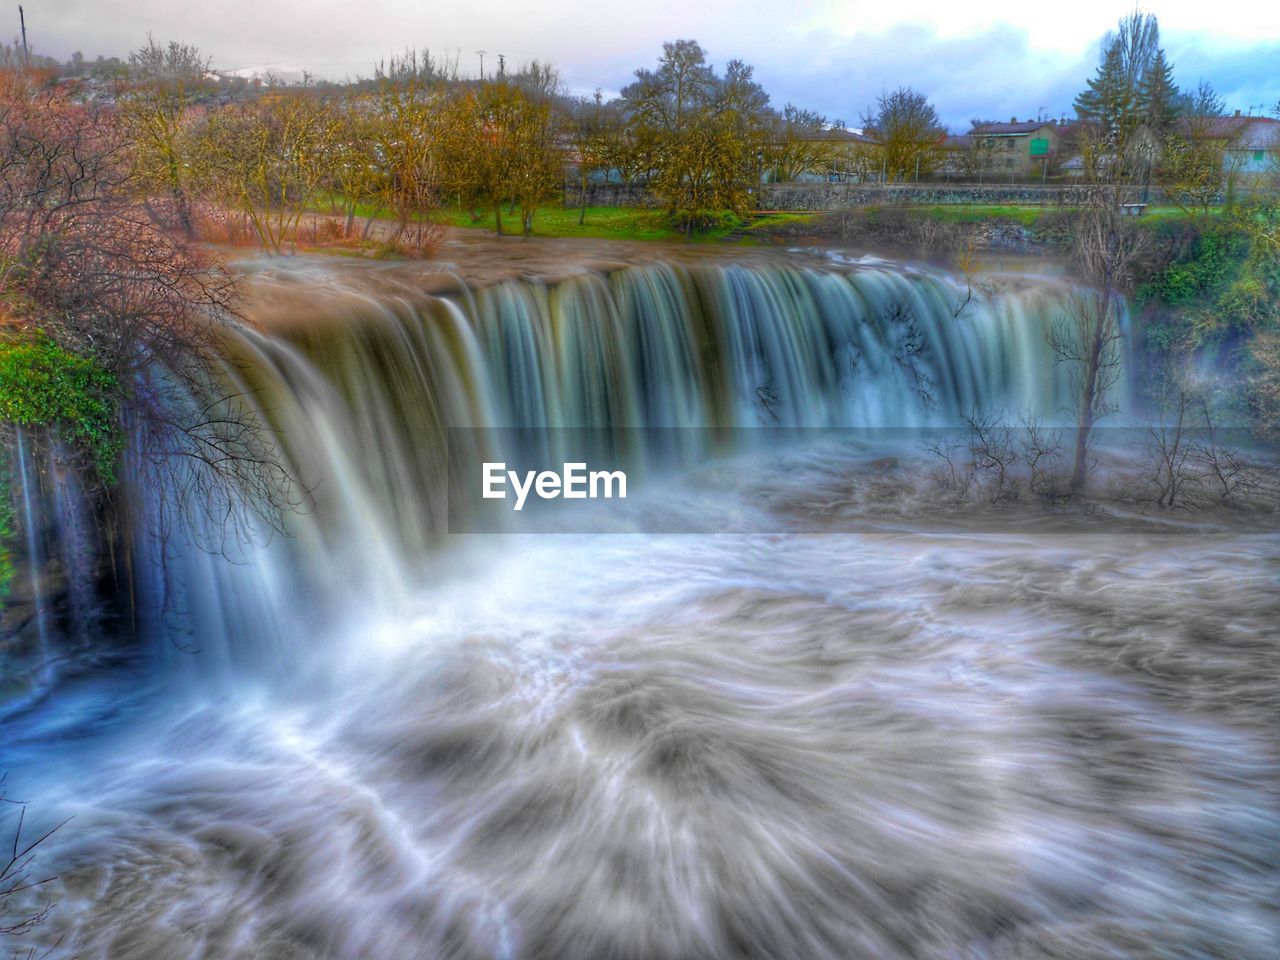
(861, 161)
(663, 99)
(1157, 97)
(907, 126)
(1089, 337)
(270, 159)
(592, 126)
(166, 81)
(800, 143)
(1107, 107)
(1199, 107)
(537, 160)
(1265, 384)
(702, 136)
(980, 158)
(17, 860)
(1128, 107)
(500, 146)
(1192, 172)
(84, 267)
(358, 176)
(405, 128)
(705, 171)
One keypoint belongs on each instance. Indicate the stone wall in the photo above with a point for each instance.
(610, 195)
(836, 196)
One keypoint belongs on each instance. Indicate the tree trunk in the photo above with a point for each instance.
(180, 203)
(1088, 397)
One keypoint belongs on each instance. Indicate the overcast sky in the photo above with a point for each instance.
(989, 58)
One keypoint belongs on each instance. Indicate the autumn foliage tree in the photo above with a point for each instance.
(706, 132)
(594, 132)
(270, 159)
(1192, 171)
(909, 131)
(799, 144)
(500, 147)
(88, 272)
(403, 130)
(156, 104)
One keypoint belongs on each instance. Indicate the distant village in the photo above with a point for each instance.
(1017, 151)
(701, 141)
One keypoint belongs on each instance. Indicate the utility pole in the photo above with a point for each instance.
(26, 54)
(481, 52)
(502, 66)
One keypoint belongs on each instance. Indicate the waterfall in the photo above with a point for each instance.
(916, 738)
(30, 525)
(361, 381)
(362, 387)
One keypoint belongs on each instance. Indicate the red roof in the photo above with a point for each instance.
(1250, 129)
(997, 129)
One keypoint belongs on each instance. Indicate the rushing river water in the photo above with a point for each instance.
(859, 733)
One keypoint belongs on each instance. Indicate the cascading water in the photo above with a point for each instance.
(911, 742)
(31, 526)
(362, 390)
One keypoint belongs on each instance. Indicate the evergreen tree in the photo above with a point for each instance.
(1158, 96)
(1109, 99)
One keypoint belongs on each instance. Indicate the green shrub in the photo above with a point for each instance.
(43, 385)
(702, 221)
(1208, 264)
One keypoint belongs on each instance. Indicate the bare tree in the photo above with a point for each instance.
(1188, 459)
(1089, 337)
(800, 143)
(993, 453)
(979, 158)
(1169, 444)
(592, 125)
(156, 105)
(16, 873)
(95, 275)
(952, 466)
(1041, 451)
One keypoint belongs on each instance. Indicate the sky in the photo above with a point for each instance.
(993, 59)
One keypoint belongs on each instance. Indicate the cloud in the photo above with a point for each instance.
(994, 74)
(830, 55)
(1245, 76)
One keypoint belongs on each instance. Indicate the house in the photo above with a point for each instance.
(1018, 149)
(1250, 145)
(959, 160)
(844, 156)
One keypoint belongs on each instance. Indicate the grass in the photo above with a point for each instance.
(602, 223)
(617, 223)
(1027, 214)
(606, 223)
(644, 224)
